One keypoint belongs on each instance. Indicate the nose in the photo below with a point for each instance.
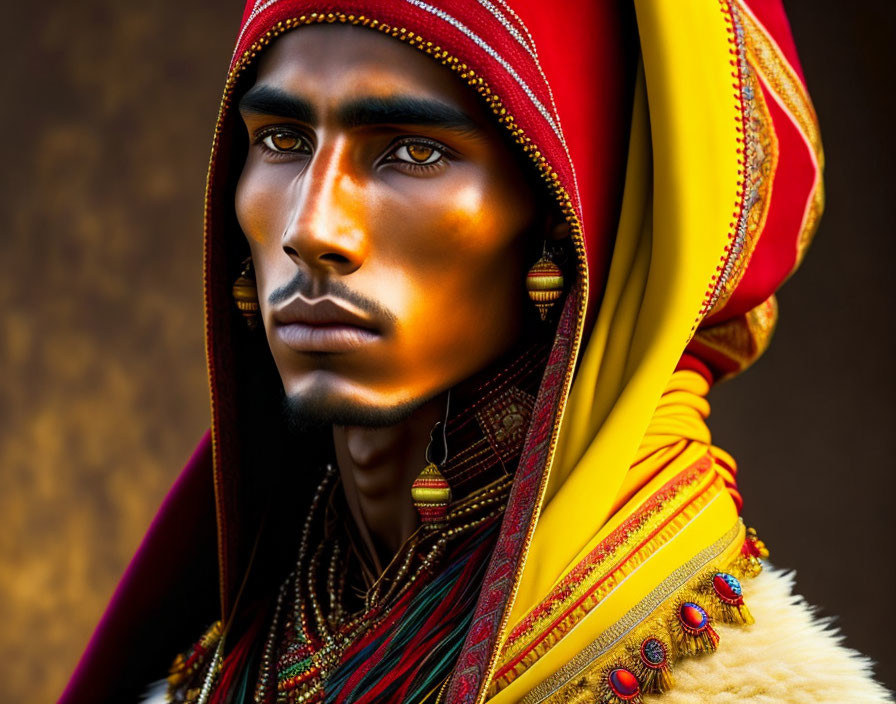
(325, 229)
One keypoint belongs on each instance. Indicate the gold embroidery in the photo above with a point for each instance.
(765, 55)
(598, 574)
(777, 73)
(583, 677)
(760, 162)
(810, 224)
(742, 340)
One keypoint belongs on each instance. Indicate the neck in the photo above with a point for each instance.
(378, 467)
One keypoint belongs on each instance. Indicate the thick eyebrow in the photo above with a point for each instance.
(267, 100)
(404, 110)
(396, 110)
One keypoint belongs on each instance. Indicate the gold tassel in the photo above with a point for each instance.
(753, 551)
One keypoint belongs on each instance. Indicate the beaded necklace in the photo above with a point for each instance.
(318, 626)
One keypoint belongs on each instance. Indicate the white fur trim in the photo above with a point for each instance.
(787, 656)
(156, 693)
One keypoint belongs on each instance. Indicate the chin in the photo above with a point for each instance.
(316, 408)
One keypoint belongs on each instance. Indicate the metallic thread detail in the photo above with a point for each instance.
(787, 87)
(514, 32)
(761, 152)
(533, 52)
(810, 222)
(596, 575)
(742, 340)
(257, 9)
(737, 236)
(482, 44)
(776, 71)
(613, 635)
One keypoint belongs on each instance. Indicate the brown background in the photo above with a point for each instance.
(107, 110)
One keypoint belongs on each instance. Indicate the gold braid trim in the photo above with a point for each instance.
(656, 627)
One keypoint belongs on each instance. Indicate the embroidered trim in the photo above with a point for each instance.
(482, 44)
(787, 87)
(776, 71)
(598, 573)
(743, 339)
(736, 236)
(760, 163)
(531, 49)
(586, 661)
(810, 222)
(513, 31)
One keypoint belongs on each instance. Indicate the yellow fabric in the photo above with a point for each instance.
(676, 439)
(681, 187)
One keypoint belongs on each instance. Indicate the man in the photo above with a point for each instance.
(480, 292)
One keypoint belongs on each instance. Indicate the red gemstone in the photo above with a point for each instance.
(623, 683)
(728, 589)
(692, 617)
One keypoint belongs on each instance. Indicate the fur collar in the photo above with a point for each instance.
(787, 657)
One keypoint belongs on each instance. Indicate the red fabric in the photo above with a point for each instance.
(771, 15)
(774, 257)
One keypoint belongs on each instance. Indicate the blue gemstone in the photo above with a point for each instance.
(722, 580)
(653, 652)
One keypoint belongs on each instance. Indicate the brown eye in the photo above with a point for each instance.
(418, 154)
(284, 142)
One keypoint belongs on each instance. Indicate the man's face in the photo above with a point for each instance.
(386, 219)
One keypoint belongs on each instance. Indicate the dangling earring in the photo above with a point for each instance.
(430, 491)
(245, 294)
(544, 283)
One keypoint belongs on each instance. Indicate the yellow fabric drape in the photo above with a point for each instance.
(617, 442)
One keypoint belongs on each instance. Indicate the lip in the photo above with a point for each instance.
(323, 325)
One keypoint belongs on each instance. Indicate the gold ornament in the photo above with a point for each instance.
(245, 294)
(544, 283)
(431, 494)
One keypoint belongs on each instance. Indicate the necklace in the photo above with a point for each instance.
(308, 637)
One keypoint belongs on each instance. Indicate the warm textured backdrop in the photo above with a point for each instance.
(106, 120)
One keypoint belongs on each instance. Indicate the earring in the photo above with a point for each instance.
(430, 491)
(544, 283)
(245, 294)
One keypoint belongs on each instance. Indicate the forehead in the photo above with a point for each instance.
(329, 64)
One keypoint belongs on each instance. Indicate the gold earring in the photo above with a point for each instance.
(245, 294)
(430, 491)
(544, 283)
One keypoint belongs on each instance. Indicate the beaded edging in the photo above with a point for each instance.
(678, 615)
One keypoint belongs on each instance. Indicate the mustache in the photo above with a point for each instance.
(302, 284)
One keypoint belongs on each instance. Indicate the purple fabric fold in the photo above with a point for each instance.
(162, 561)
